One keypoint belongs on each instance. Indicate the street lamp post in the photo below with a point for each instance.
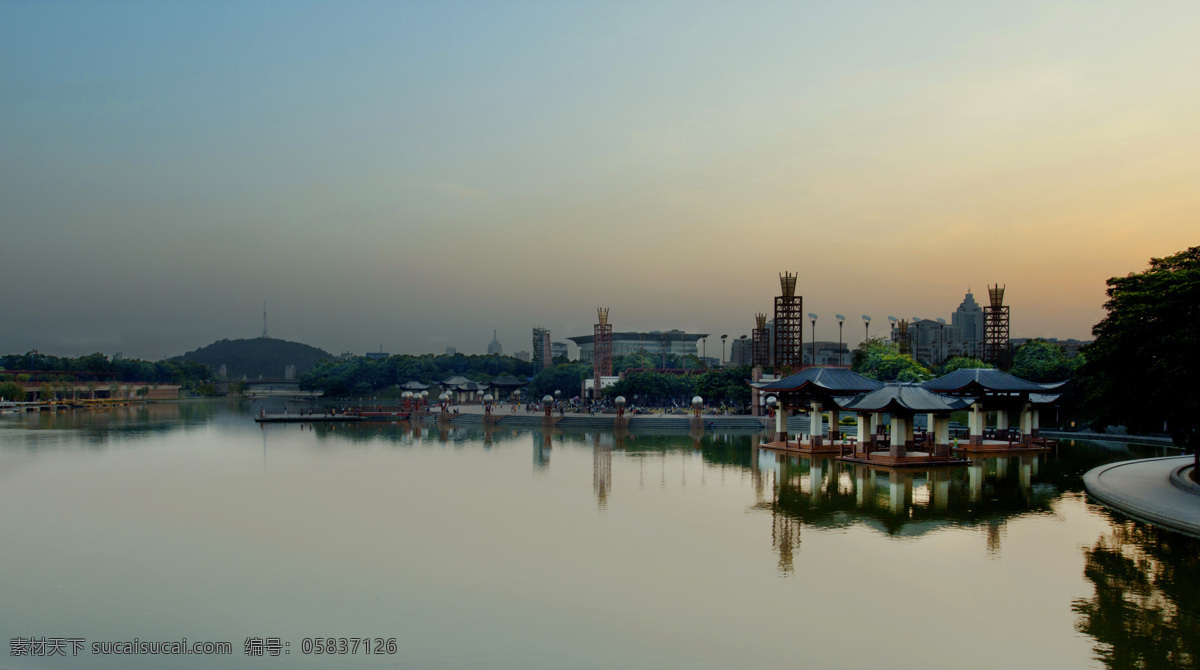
(841, 318)
(893, 321)
(704, 351)
(867, 323)
(814, 337)
(723, 350)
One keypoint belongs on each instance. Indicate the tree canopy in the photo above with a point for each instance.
(1042, 361)
(880, 359)
(961, 363)
(1141, 369)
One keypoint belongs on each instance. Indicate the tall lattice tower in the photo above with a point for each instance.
(789, 325)
(264, 320)
(995, 329)
(760, 348)
(602, 350)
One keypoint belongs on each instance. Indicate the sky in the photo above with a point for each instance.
(413, 175)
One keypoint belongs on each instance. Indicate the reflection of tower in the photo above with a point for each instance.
(785, 535)
(993, 528)
(995, 328)
(601, 470)
(789, 326)
(760, 347)
(541, 450)
(602, 351)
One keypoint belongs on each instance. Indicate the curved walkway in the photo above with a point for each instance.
(1154, 490)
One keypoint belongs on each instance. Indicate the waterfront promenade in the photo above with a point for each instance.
(1159, 491)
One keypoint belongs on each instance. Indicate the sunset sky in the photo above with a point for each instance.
(413, 175)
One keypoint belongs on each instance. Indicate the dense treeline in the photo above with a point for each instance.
(41, 367)
(717, 386)
(363, 376)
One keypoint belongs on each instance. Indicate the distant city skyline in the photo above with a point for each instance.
(416, 174)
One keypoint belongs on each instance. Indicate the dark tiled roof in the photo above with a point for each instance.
(456, 380)
(414, 386)
(1044, 398)
(508, 381)
(902, 398)
(836, 380)
(973, 380)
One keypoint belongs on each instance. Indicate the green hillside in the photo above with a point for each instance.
(258, 357)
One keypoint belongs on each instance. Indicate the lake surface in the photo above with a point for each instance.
(532, 549)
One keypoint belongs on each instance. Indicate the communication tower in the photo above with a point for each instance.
(760, 347)
(789, 325)
(602, 350)
(995, 328)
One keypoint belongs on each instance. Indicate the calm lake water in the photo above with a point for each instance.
(531, 549)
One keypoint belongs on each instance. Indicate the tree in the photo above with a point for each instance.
(1141, 369)
(1041, 361)
(963, 362)
(879, 359)
(11, 391)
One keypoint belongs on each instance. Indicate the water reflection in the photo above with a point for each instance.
(1146, 610)
(825, 493)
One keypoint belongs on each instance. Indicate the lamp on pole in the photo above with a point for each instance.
(841, 319)
(743, 339)
(814, 337)
(723, 349)
(867, 323)
(704, 351)
(893, 320)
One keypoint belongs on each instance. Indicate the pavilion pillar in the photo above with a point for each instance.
(1037, 420)
(835, 425)
(1001, 423)
(815, 427)
(876, 421)
(908, 432)
(781, 423)
(940, 435)
(975, 424)
(897, 448)
(864, 435)
(1026, 423)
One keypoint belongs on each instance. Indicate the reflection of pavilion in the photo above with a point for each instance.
(824, 492)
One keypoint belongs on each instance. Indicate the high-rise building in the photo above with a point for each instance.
(741, 352)
(494, 348)
(450, 351)
(541, 348)
(967, 321)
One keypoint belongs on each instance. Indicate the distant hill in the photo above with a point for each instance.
(261, 356)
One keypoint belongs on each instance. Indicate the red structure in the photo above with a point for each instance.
(995, 329)
(602, 351)
(789, 325)
(760, 346)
